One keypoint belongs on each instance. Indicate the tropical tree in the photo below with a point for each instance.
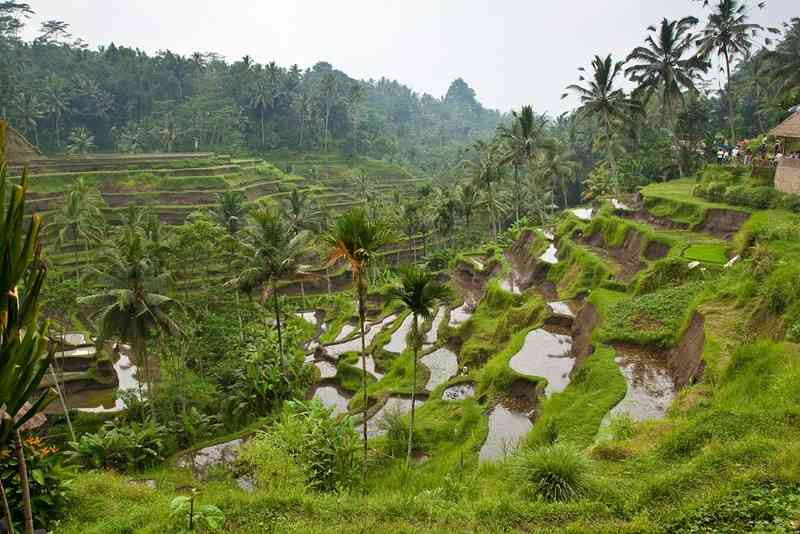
(521, 140)
(230, 211)
(80, 141)
(418, 292)
(784, 62)
(262, 98)
(127, 304)
(30, 111)
(302, 211)
(486, 173)
(601, 100)
(273, 252)
(729, 35)
(559, 167)
(665, 65)
(356, 239)
(80, 218)
(468, 200)
(23, 341)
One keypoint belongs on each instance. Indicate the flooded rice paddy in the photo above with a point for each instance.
(547, 355)
(443, 365)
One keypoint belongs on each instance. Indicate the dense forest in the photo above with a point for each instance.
(55, 88)
(247, 298)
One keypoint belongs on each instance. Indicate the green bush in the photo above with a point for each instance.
(323, 447)
(557, 472)
(134, 446)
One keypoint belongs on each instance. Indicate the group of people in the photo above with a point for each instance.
(742, 154)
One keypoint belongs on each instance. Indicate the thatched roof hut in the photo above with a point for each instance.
(789, 128)
(18, 149)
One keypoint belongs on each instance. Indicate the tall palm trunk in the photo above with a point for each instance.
(731, 117)
(564, 190)
(278, 321)
(263, 137)
(6, 508)
(77, 260)
(361, 320)
(27, 510)
(516, 191)
(413, 391)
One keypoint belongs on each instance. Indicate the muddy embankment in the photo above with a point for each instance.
(628, 255)
(722, 223)
(471, 281)
(529, 270)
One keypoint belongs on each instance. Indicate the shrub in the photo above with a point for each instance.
(622, 427)
(321, 446)
(49, 481)
(396, 433)
(135, 446)
(557, 472)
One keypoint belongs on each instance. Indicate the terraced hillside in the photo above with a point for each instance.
(651, 341)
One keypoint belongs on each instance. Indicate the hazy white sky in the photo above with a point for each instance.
(512, 52)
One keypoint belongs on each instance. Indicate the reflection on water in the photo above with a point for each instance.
(584, 214)
(347, 330)
(331, 398)
(461, 314)
(459, 392)
(561, 308)
(550, 255)
(354, 345)
(326, 369)
(547, 355)
(650, 387)
(433, 334)
(309, 317)
(507, 428)
(397, 343)
(443, 364)
(103, 400)
(370, 366)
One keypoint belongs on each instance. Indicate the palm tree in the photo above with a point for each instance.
(30, 111)
(128, 305)
(468, 199)
(23, 342)
(80, 218)
(302, 210)
(418, 292)
(601, 100)
(80, 141)
(328, 93)
(665, 65)
(262, 98)
(784, 61)
(728, 34)
(486, 173)
(274, 252)
(56, 103)
(230, 210)
(356, 239)
(559, 167)
(521, 139)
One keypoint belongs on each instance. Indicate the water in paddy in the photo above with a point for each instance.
(620, 205)
(326, 369)
(547, 355)
(561, 308)
(461, 314)
(511, 283)
(309, 316)
(332, 398)
(550, 255)
(433, 333)
(459, 392)
(347, 330)
(547, 234)
(650, 387)
(370, 365)
(75, 339)
(397, 343)
(81, 351)
(584, 214)
(507, 428)
(443, 364)
(354, 345)
(102, 400)
(398, 405)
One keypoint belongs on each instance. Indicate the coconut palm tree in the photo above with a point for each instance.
(521, 140)
(728, 34)
(468, 199)
(23, 342)
(558, 167)
(302, 210)
(273, 251)
(80, 141)
(356, 239)
(230, 211)
(262, 98)
(418, 292)
(601, 100)
(127, 304)
(784, 62)
(665, 64)
(80, 218)
(486, 174)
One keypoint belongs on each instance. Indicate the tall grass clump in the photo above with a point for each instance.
(557, 472)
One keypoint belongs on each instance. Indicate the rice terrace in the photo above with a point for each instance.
(246, 291)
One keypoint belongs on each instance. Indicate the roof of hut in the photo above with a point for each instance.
(788, 128)
(19, 149)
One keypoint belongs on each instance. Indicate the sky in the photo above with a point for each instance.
(512, 52)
